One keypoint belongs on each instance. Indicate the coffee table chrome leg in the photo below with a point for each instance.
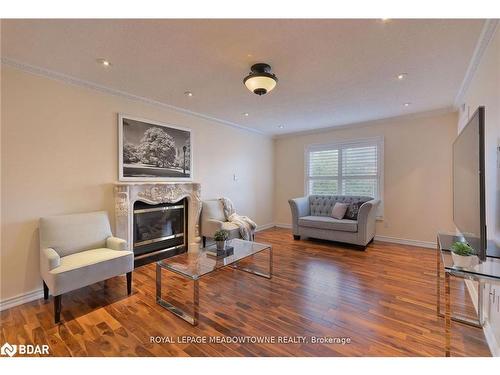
(480, 316)
(270, 262)
(447, 318)
(175, 310)
(158, 283)
(196, 302)
(253, 272)
(438, 281)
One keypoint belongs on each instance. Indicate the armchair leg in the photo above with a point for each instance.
(296, 237)
(57, 308)
(45, 291)
(129, 283)
(204, 241)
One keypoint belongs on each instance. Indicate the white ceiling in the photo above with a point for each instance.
(331, 72)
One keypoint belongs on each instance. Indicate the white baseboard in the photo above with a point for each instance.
(21, 299)
(404, 241)
(283, 225)
(489, 332)
(264, 227)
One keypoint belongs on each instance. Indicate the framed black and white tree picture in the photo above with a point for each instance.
(152, 151)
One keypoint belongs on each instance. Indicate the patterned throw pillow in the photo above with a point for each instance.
(352, 211)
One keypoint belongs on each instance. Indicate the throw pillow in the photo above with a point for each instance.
(352, 211)
(228, 207)
(339, 210)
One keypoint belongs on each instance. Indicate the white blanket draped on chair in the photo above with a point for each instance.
(246, 225)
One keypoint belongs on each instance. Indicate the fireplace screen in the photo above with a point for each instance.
(158, 226)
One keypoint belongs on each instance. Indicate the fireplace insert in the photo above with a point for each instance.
(160, 231)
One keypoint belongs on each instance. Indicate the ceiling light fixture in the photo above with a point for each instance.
(260, 80)
(281, 126)
(406, 104)
(188, 93)
(402, 76)
(246, 114)
(104, 62)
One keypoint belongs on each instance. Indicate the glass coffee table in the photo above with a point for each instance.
(195, 265)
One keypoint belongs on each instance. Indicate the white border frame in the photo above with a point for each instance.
(121, 116)
(380, 160)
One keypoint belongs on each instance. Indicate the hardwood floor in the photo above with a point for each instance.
(383, 299)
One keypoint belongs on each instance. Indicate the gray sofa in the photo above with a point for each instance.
(311, 218)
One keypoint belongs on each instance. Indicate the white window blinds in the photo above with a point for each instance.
(350, 168)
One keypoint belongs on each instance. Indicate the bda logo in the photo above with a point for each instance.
(8, 349)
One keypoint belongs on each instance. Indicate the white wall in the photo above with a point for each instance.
(484, 90)
(417, 172)
(59, 155)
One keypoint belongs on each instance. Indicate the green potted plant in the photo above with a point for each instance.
(220, 238)
(462, 254)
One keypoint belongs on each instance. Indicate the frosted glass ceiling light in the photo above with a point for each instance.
(260, 80)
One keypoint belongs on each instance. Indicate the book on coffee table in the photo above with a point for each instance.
(220, 254)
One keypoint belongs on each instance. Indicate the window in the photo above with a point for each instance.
(348, 168)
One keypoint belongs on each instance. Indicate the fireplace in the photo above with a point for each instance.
(159, 230)
(158, 219)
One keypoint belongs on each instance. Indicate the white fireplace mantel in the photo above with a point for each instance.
(127, 193)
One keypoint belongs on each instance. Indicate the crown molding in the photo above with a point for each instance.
(410, 116)
(108, 90)
(484, 40)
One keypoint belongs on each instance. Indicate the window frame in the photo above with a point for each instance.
(349, 143)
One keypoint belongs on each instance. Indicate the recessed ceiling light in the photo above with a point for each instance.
(281, 126)
(402, 76)
(246, 114)
(407, 104)
(104, 62)
(385, 19)
(188, 93)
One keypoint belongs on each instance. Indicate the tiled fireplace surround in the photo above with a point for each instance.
(127, 193)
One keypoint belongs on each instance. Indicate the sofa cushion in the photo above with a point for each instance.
(325, 222)
(88, 258)
(88, 267)
(322, 205)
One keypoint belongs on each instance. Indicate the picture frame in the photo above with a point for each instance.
(149, 150)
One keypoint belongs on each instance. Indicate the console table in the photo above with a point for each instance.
(488, 270)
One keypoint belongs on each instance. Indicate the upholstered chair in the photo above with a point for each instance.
(213, 219)
(79, 250)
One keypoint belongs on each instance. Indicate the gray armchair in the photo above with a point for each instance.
(79, 250)
(311, 217)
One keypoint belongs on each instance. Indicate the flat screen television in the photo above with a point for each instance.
(469, 201)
